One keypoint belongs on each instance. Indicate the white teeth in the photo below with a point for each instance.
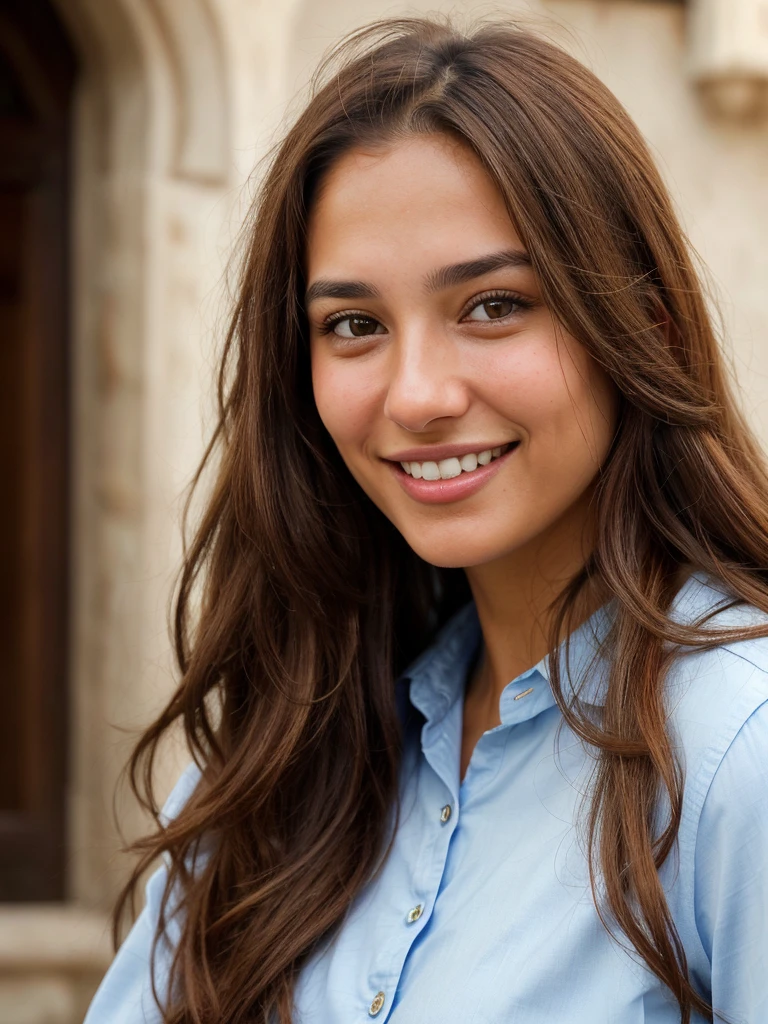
(449, 468)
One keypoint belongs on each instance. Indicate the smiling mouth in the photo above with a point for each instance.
(449, 469)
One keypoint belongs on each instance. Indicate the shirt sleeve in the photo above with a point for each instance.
(731, 875)
(125, 994)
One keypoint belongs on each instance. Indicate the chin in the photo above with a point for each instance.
(455, 553)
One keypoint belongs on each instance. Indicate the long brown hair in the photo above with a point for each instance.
(299, 603)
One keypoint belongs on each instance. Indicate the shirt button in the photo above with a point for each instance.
(445, 813)
(415, 913)
(376, 1005)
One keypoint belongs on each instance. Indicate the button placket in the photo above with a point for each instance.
(425, 876)
(424, 884)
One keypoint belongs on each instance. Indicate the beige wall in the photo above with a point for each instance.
(177, 103)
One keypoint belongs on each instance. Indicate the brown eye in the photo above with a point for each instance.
(492, 309)
(498, 307)
(357, 327)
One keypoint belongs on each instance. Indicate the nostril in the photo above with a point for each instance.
(415, 404)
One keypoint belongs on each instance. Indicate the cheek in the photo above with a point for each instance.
(560, 397)
(525, 382)
(591, 411)
(345, 399)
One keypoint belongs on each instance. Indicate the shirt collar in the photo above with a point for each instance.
(436, 679)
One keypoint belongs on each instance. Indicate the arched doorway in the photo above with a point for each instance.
(150, 158)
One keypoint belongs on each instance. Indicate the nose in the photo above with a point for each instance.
(425, 382)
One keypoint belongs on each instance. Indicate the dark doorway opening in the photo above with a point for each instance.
(38, 70)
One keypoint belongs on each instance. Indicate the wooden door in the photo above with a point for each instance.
(37, 74)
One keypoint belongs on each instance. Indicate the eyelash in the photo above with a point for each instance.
(326, 327)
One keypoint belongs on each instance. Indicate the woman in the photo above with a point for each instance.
(476, 678)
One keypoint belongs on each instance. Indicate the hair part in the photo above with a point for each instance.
(299, 603)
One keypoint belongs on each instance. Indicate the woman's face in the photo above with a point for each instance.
(472, 420)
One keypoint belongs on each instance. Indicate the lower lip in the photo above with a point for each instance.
(440, 492)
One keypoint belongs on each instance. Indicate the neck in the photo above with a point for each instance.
(514, 596)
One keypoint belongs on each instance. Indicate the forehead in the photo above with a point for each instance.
(425, 199)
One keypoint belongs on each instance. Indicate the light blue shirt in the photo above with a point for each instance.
(483, 912)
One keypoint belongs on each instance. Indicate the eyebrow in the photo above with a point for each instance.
(435, 281)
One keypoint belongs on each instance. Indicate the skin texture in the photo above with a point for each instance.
(425, 367)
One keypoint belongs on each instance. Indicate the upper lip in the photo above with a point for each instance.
(438, 452)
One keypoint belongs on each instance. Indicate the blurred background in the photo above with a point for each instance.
(129, 134)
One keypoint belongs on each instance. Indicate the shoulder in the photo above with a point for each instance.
(712, 694)
(731, 675)
(728, 850)
(125, 995)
